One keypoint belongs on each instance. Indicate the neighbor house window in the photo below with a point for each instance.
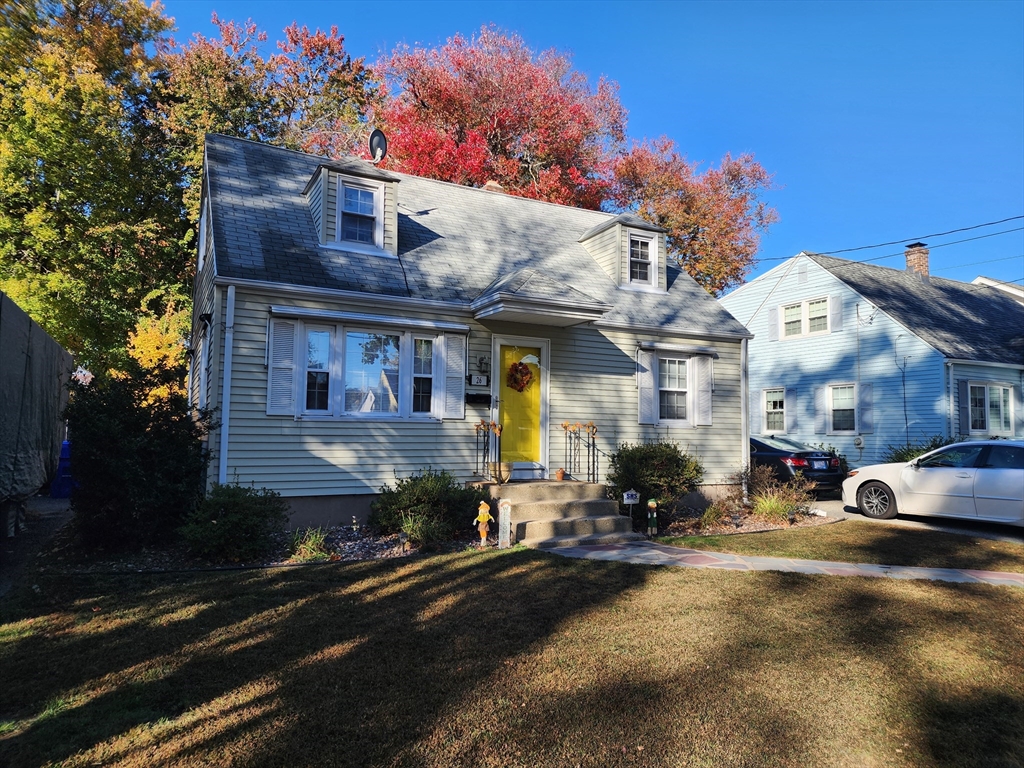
(372, 372)
(775, 410)
(842, 408)
(805, 318)
(639, 260)
(990, 408)
(318, 367)
(671, 389)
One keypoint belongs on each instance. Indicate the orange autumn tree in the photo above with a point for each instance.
(714, 217)
(489, 108)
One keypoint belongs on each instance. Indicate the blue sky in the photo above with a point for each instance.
(881, 121)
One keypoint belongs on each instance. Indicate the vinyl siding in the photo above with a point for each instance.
(869, 349)
(331, 209)
(316, 206)
(662, 268)
(604, 247)
(592, 379)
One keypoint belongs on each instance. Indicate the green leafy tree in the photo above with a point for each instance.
(90, 208)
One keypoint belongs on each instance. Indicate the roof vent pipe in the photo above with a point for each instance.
(917, 259)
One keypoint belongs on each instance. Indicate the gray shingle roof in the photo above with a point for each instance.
(454, 242)
(961, 320)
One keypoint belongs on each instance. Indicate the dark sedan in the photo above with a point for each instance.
(787, 457)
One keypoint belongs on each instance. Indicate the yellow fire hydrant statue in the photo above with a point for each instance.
(482, 520)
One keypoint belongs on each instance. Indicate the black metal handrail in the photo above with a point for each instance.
(580, 439)
(488, 445)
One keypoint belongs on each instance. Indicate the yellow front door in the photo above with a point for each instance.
(519, 403)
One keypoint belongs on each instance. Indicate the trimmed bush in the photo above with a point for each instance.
(428, 507)
(236, 523)
(137, 458)
(659, 471)
(894, 453)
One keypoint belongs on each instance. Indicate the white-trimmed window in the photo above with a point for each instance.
(360, 212)
(672, 389)
(775, 411)
(805, 318)
(842, 408)
(642, 267)
(363, 372)
(675, 389)
(990, 408)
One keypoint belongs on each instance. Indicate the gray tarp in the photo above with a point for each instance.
(34, 373)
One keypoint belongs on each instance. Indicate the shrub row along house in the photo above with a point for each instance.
(861, 357)
(353, 325)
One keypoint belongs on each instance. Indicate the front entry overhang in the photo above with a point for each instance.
(527, 296)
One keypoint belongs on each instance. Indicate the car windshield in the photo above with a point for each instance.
(782, 444)
(957, 456)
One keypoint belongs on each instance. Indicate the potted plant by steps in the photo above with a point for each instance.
(501, 471)
(559, 474)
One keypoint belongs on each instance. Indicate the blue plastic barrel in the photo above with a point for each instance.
(60, 488)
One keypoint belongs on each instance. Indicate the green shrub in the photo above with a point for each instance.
(659, 471)
(911, 451)
(431, 504)
(716, 512)
(309, 546)
(235, 523)
(137, 459)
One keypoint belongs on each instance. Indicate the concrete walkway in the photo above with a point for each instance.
(652, 553)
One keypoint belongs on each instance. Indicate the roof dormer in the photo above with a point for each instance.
(354, 207)
(631, 250)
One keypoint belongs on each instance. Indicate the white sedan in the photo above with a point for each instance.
(978, 480)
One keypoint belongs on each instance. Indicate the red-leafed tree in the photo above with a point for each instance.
(310, 95)
(714, 217)
(489, 108)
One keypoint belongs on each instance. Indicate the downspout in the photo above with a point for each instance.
(952, 409)
(225, 418)
(744, 399)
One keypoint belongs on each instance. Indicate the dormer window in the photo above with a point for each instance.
(639, 260)
(360, 212)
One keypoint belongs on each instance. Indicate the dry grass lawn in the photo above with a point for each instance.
(859, 541)
(511, 658)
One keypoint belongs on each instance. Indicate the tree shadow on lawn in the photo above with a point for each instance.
(514, 658)
(889, 544)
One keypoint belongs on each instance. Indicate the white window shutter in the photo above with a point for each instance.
(454, 377)
(835, 311)
(790, 401)
(773, 324)
(705, 386)
(820, 411)
(1018, 411)
(647, 387)
(865, 406)
(282, 367)
(965, 407)
(757, 408)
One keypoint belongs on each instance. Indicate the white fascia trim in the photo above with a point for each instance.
(1012, 366)
(360, 317)
(611, 324)
(690, 350)
(508, 303)
(336, 293)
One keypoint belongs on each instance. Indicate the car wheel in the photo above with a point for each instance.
(875, 500)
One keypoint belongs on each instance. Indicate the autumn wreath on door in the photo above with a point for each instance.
(519, 376)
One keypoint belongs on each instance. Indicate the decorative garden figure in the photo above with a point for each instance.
(482, 520)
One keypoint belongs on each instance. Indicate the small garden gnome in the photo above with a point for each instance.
(482, 521)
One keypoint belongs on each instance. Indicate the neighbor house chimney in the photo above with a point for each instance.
(917, 259)
(493, 186)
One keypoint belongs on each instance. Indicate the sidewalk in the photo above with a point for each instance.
(652, 553)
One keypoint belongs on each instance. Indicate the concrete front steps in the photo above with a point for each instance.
(548, 514)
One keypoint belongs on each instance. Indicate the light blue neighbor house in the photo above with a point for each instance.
(861, 357)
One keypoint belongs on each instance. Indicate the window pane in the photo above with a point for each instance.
(962, 456)
(421, 389)
(978, 420)
(672, 405)
(423, 360)
(317, 387)
(357, 228)
(318, 345)
(792, 320)
(639, 261)
(817, 316)
(640, 250)
(671, 373)
(775, 410)
(371, 373)
(358, 201)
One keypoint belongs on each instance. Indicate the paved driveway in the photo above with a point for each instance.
(833, 507)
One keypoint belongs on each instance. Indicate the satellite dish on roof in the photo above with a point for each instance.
(378, 145)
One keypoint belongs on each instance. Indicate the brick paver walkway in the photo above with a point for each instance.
(652, 553)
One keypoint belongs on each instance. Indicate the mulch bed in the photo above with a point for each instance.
(686, 522)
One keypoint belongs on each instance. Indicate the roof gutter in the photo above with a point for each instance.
(1013, 366)
(225, 409)
(671, 331)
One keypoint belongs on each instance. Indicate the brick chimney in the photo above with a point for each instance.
(917, 259)
(493, 186)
